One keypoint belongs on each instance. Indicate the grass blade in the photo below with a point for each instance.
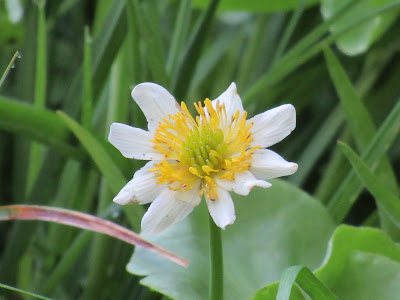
(389, 202)
(9, 67)
(87, 82)
(154, 54)
(104, 162)
(306, 280)
(4, 286)
(84, 221)
(181, 81)
(39, 124)
(359, 120)
(180, 31)
(36, 151)
(317, 146)
(105, 46)
(288, 31)
(292, 61)
(340, 204)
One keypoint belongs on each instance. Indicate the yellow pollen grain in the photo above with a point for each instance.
(200, 149)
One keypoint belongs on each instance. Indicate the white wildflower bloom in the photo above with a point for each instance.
(211, 154)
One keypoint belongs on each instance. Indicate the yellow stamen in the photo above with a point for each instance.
(200, 149)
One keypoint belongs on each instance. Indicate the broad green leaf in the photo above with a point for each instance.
(369, 276)
(256, 5)
(345, 240)
(352, 257)
(10, 33)
(361, 37)
(389, 201)
(274, 229)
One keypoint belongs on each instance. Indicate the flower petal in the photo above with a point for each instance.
(169, 208)
(231, 99)
(267, 164)
(243, 183)
(273, 125)
(222, 209)
(155, 102)
(133, 142)
(142, 189)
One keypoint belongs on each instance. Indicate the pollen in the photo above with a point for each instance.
(200, 149)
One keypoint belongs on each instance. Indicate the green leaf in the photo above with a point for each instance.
(369, 276)
(363, 130)
(11, 33)
(306, 280)
(275, 228)
(307, 48)
(4, 286)
(105, 46)
(152, 43)
(105, 163)
(362, 36)
(100, 156)
(256, 5)
(181, 80)
(37, 151)
(389, 201)
(355, 256)
(38, 124)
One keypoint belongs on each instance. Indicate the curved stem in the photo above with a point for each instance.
(216, 263)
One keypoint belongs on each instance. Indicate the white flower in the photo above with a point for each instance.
(214, 153)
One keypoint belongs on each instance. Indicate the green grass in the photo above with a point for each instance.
(72, 76)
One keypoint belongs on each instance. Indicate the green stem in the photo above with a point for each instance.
(216, 263)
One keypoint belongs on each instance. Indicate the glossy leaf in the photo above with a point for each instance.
(360, 37)
(355, 256)
(275, 228)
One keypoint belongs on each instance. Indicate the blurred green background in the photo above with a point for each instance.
(84, 57)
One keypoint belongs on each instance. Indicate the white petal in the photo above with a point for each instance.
(142, 189)
(243, 183)
(267, 164)
(169, 208)
(231, 99)
(222, 210)
(274, 125)
(155, 102)
(133, 142)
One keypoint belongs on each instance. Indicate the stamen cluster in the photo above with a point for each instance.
(202, 149)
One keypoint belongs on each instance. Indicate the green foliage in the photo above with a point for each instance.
(273, 51)
(354, 256)
(268, 221)
(256, 5)
(360, 37)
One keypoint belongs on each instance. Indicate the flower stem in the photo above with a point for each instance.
(216, 263)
